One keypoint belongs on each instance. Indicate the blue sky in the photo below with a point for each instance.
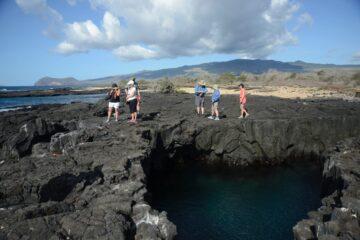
(96, 38)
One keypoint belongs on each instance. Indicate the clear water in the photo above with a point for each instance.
(252, 204)
(16, 102)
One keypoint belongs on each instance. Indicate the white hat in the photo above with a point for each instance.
(131, 82)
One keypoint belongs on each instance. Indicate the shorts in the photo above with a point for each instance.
(215, 104)
(132, 105)
(199, 101)
(115, 105)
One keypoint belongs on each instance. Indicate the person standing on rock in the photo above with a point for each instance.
(243, 109)
(114, 102)
(215, 99)
(200, 91)
(131, 99)
(138, 95)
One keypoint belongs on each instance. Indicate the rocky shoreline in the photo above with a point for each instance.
(65, 174)
(51, 92)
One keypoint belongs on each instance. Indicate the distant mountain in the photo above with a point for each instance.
(216, 68)
(49, 81)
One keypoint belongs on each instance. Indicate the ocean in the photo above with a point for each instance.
(25, 88)
(15, 103)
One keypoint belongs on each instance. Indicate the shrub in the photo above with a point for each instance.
(165, 86)
(226, 78)
(242, 77)
(356, 78)
(293, 76)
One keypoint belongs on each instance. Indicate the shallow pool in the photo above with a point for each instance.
(263, 203)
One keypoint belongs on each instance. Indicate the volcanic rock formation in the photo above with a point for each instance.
(65, 174)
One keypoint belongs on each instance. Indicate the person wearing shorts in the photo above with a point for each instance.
(114, 102)
(242, 99)
(200, 91)
(138, 96)
(215, 99)
(131, 99)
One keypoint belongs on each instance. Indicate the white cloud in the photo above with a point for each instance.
(72, 2)
(280, 11)
(356, 57)
(41, 8)
(304, 19)
(135, 52)
(83, 36)
(170, 28)
(68, 48)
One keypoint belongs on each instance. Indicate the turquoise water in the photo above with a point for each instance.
(252, 204)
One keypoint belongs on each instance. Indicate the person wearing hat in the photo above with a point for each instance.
(200, 91)
(131, 99)
(215, 99)
(114, 101)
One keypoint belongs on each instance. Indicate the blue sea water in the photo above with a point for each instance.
(21, 102)
(25, 88)
(259, 204)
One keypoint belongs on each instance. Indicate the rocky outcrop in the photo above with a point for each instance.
(338, 216)
(68, 175)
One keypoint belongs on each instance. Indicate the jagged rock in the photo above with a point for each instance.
(64, 173)
(341, 208)
(30, 133)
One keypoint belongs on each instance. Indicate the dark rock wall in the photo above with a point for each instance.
(265, 142)
(338, 216)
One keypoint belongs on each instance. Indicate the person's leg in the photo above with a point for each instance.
(117, 114)
(131, 116)
(216, 110)
(109, 113)
(241, 110)
(136, 102)
(197, 104)
(212, 111)
(202, 105)
(246, 112)
(138, 105)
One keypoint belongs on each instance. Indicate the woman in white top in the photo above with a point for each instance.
(131, 99)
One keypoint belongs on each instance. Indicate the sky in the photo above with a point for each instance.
(96, 38)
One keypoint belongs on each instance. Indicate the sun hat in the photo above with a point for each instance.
(131, 82)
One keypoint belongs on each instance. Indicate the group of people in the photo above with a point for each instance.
(200, 92)
(133, 99)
